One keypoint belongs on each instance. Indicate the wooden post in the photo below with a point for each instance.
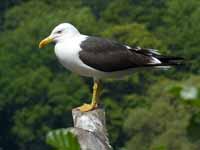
(90, 129)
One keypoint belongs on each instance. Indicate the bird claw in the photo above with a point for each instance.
(87, 107)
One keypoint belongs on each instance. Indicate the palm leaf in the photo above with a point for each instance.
(62, 139)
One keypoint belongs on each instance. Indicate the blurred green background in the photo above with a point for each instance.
(150, 110)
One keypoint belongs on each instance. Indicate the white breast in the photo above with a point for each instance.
(67, 53)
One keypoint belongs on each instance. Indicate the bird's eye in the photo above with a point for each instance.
(59, 31)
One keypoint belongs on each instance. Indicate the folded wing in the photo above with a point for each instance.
(108, 56)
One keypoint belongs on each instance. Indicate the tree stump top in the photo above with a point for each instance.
(90, 128)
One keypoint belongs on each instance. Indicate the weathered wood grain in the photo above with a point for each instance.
(90, 128)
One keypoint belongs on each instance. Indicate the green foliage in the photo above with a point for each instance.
(164, 124)
(134, 35)
(181, 30)
(62, 139)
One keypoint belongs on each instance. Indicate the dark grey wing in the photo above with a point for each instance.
(108, 55)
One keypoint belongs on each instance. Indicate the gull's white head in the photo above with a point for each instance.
(59, 33)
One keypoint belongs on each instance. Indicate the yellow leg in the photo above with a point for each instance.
(95, 98)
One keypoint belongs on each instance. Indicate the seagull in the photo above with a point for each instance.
(100, 58)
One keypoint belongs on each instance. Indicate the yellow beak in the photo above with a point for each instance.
(45, 41)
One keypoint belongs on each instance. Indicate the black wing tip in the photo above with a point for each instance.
(171, 60)
(146, 51)
(165, 60)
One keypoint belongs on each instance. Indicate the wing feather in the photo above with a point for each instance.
(108, 55)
